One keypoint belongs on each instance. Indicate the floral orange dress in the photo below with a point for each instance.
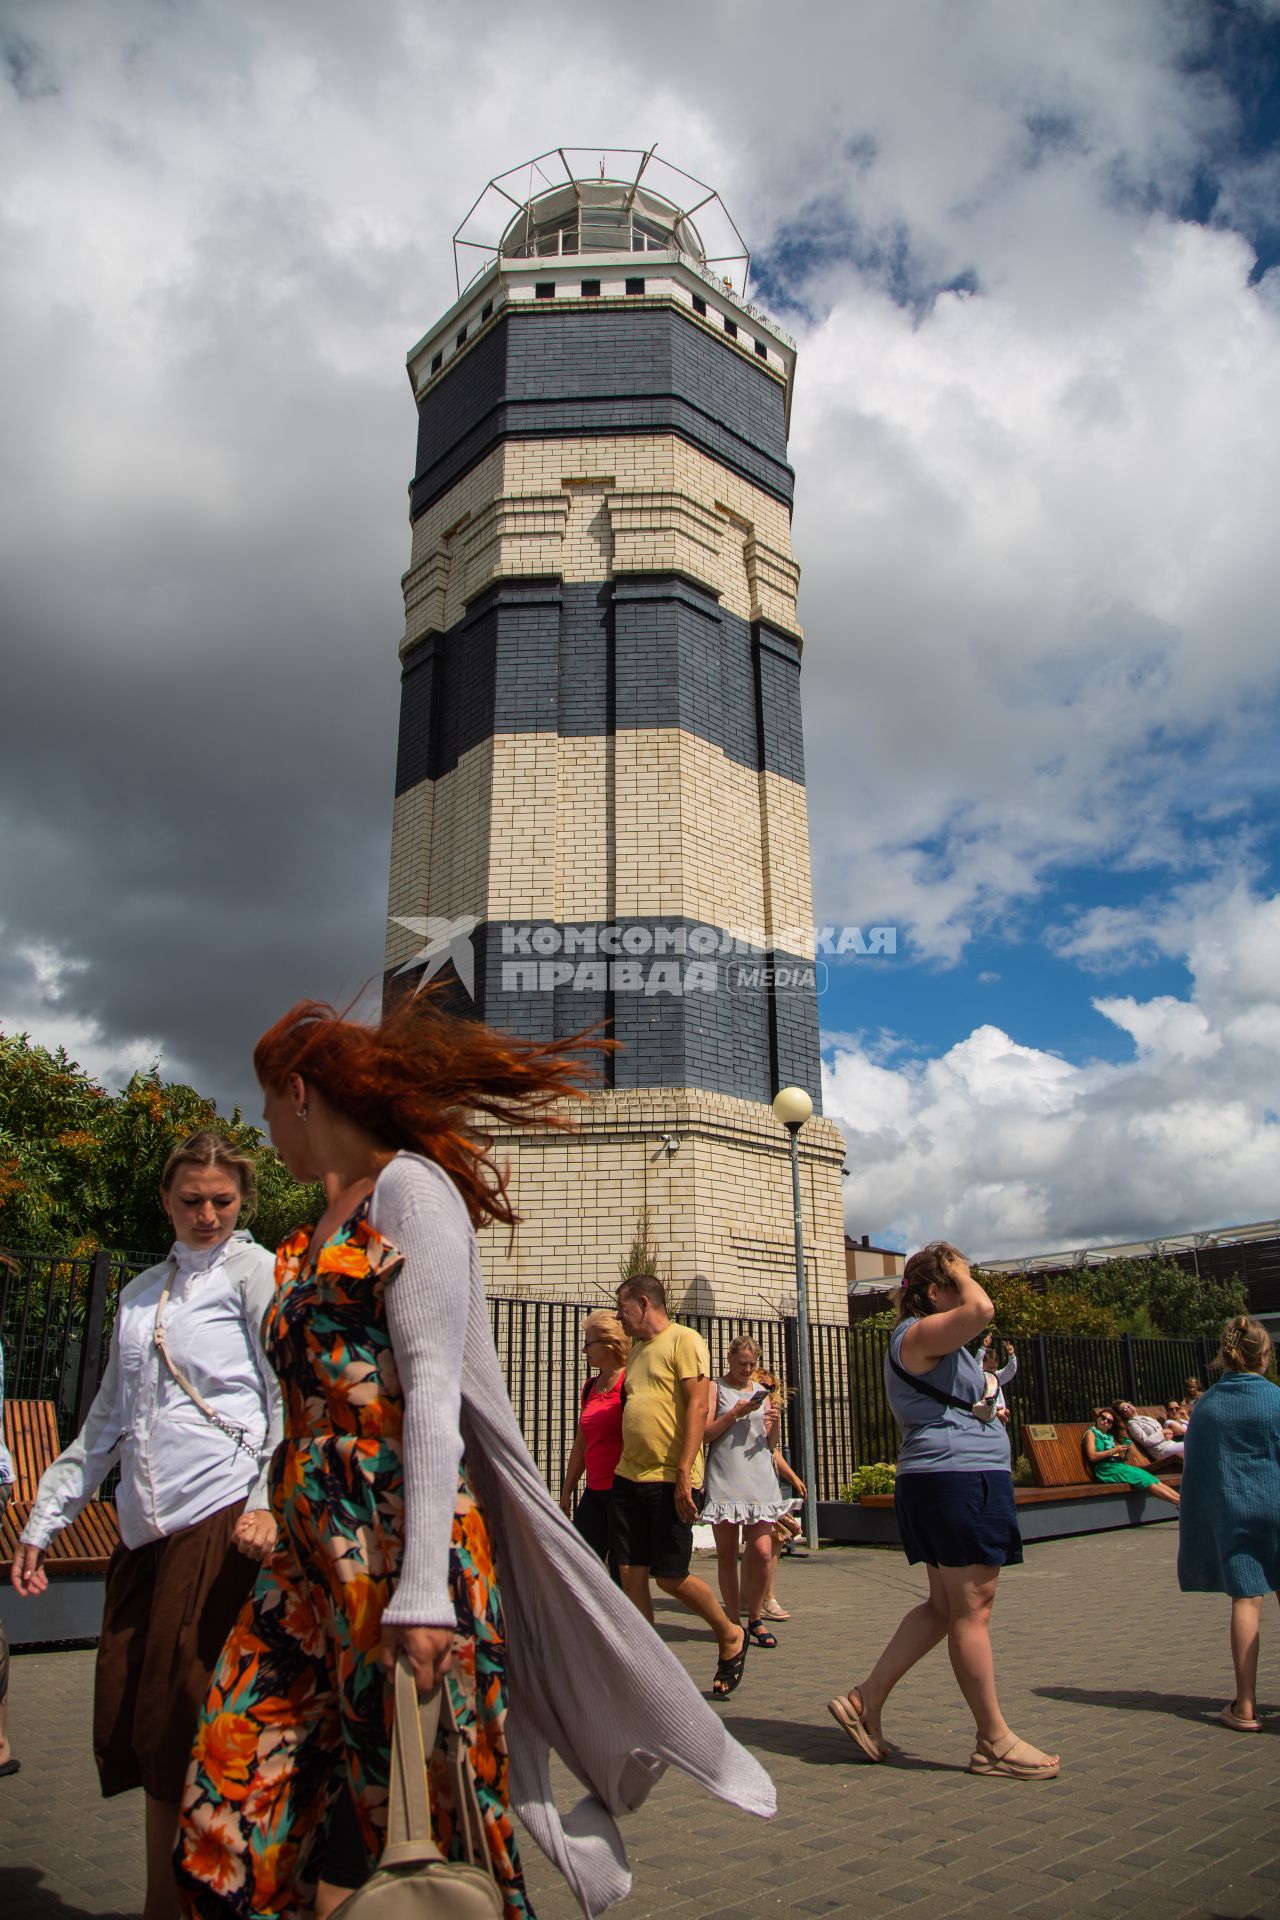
(298, 1712)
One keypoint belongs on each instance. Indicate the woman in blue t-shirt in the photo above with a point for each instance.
(954, 1503)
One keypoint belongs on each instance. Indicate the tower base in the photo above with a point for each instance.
(713, 1175)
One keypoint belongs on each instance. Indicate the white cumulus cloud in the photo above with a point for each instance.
(1009, 1149)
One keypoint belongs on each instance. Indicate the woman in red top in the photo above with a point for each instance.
(598, 1441)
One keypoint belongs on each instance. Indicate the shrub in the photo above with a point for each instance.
(874, 1479)
(80, 1167)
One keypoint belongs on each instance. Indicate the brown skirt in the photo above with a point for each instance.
(169, 1606)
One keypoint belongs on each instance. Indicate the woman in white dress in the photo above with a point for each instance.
(740, 1488)
(190, 1409)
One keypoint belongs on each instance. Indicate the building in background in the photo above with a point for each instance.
(872, 1275)
(600, 809)
(1250, 1254)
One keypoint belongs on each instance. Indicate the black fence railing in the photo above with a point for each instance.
(56, 1315)
(1059, 1377)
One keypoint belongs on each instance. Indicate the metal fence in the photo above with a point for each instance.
(1060, 1377)
(540, 1352)
(56, 1315)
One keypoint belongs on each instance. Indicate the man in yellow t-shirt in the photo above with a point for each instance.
(652, 1510)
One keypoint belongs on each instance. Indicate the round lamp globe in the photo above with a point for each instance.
(792, 1107)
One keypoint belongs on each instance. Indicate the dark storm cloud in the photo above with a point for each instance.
(221, 228)
(201, 624)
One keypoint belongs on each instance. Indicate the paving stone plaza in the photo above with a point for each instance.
(1159, 1814)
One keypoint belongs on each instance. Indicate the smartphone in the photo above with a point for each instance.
(760, 1395)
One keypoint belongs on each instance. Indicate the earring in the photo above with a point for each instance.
(300, 1113)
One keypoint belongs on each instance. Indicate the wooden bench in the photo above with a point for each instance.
(31, 1435)
(1167, 1469)
(1058, 1459)
(1044, 1513)
(1067, 1500)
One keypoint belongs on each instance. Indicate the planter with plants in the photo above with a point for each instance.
(864, 1481)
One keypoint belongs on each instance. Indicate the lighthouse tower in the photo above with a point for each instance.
(600, 809)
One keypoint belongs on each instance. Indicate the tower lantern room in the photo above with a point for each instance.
(600, 808)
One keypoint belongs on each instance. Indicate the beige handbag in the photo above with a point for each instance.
(413, 1880)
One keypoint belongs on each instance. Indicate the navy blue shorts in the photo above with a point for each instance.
(958, 1519)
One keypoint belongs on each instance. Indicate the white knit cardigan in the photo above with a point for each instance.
(588, 1677)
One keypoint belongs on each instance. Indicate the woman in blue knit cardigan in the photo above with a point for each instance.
(1229, 1539)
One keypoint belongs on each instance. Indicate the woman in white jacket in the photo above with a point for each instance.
(190, 1409)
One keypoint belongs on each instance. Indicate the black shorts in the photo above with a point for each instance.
(591, 1518)
(958, 1519)
(646, 1531)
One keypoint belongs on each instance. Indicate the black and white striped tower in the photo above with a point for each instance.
(600, 806)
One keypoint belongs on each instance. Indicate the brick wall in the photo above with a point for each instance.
(601, 734)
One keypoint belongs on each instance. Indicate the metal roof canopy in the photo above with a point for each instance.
(512, 195)
(1136, 1249)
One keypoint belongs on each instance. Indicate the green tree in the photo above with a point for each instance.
(1158, 1296)
(283, 1203)
(51, 1122)
(80, 1168)
(1021, 1311)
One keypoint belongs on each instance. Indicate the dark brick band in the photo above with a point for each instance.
(638, 651)
(753, 1031)
(545, 373)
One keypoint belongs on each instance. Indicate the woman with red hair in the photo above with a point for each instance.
(404, 1495)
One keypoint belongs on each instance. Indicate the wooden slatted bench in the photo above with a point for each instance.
(1058, 1459)
(31, 1435)
(1167, 1469)
(1066, 1501)
(1044, 1513)
(76, 1561)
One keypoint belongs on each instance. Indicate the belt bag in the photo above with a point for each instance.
(413, 1880)
(935, 1393)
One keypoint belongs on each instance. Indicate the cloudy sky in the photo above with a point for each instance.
(1029, 252)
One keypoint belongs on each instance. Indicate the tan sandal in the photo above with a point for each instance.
(993, 1756)
(1239, 1722)
(845, 1714)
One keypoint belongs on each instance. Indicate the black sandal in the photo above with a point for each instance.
(729, 1672)
(757, 1631)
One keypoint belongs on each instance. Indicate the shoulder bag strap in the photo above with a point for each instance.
(410, 1840)
(237, 1435)
(930, 1392)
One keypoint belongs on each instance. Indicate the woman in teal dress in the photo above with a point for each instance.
(1229, 1537)
(1110, 1461)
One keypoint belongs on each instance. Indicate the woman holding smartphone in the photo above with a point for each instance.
(741, 1497)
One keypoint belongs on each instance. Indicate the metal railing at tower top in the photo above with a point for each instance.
(610, 199)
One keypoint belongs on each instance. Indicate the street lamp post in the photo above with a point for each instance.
(792, 1107)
